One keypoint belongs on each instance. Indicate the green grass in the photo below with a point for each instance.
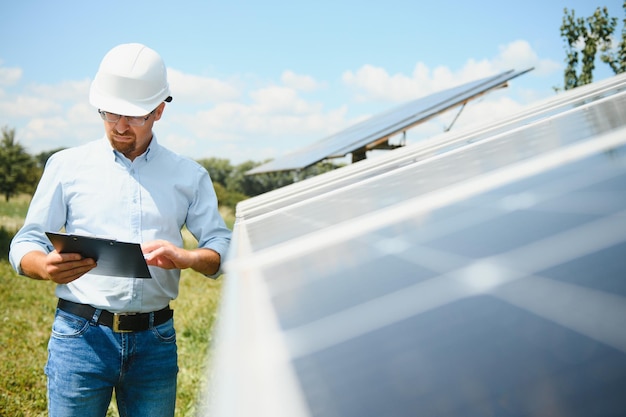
(12, 213)
(28, 309)
(26, 320)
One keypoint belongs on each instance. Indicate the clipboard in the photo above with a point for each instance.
(114, 258)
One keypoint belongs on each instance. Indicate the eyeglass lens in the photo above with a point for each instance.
(131, 120)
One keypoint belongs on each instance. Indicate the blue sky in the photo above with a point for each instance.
(254, 80)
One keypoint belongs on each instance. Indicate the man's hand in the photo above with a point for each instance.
(61, 268)
(166, 255)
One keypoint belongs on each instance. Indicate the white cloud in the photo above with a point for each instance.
(180, 143)
(83, 113)
(40, 100)
(50, 127)
(275, 99)
(197, 89)
(44, 134)
(274, 111)
(376, 84)
(75, 91)
(10, 76)
(519, 55)
(27, 106)
(274, 121)
(300, 82)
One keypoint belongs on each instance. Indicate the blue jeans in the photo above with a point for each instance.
(87, 361)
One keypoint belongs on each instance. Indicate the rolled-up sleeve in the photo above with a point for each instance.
(205, 222)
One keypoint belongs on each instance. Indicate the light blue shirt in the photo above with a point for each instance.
(94, 190)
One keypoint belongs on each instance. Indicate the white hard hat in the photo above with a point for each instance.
(131, 81)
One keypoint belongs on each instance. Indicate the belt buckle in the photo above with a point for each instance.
(116, 322)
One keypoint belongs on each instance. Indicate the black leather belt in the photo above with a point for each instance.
(119, 322)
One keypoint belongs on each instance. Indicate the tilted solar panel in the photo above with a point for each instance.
(485, 280)
(424, 149)
(383, 125)
(385, 190)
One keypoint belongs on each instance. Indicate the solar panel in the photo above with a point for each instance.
(487, 279)
(424, 149)
(380, 127)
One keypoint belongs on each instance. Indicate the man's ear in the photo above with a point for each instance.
(159, 111)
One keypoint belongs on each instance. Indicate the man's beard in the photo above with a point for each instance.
(126, 147)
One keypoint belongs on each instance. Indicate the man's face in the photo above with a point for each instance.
(132, 140)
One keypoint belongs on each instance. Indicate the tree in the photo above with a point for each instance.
(253, 185)
(617, 60)
(319, 168)
(17, 168)
(219, 169)
(584, 38)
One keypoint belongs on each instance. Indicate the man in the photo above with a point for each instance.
(113, 333)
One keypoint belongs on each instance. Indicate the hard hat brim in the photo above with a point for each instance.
(117, 105)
